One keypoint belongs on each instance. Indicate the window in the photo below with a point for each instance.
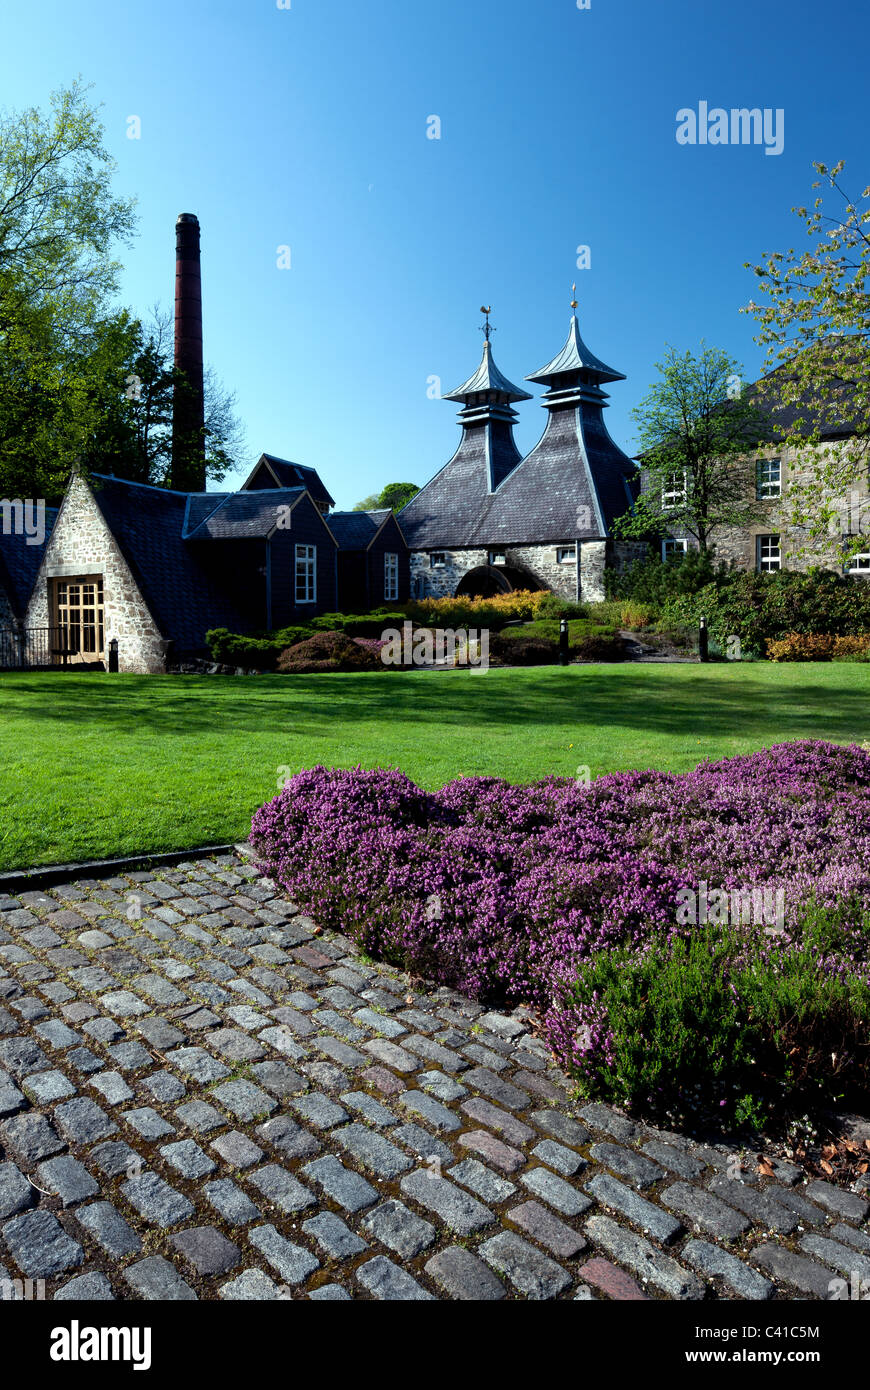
(391, 576)
(497, 557)
(673, 547)
(566, 554)
(674, 490)
(79, 607)
(769, 556)
(768, 479)
(859, 564)
(306, 573)
(437, 558)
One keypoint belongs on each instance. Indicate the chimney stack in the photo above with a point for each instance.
(188, 407)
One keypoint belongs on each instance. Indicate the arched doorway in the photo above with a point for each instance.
(485, 581)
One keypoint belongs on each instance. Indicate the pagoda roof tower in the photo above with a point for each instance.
(446, 512)
(576, 480)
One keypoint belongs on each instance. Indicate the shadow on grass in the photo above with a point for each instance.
(776, 703)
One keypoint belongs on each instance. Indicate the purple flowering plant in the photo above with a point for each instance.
(509, 893)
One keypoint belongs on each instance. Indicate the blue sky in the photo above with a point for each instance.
(307, 127)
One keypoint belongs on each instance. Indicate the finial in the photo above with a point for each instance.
(487, 329)
(573, 292)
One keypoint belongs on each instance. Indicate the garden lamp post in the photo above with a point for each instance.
(703, 641)
(563, 642)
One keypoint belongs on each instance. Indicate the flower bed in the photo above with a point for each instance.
(516, 893)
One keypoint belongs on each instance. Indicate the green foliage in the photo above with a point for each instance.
(762, 607)
(394, 496)
(722, 1021)
(816, 328)
(695, 425)
(552, 606)
(255, 652)
(82, 383)
(359, 624)
(654, 580)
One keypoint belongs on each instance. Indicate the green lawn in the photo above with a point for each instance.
(97, 765)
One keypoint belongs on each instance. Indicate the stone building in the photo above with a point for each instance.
(769, 541)
(154, 569)
(491, 521)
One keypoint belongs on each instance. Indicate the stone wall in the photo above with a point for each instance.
(7, 617)
(738, 544)
(81, 545)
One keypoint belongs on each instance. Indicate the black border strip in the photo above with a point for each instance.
(44, 875)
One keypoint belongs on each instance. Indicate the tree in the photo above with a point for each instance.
(816, 328)
(82, 383)
(136, 434)
(394, 496)
(58, 223)
(695, 426)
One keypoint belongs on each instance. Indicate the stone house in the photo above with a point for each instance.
(154, 569)
(770, 542)
(491, 521)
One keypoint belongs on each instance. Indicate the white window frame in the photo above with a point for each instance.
(496, 557)
(306, 571)
(391, 576)
(766, 486)
(566, 554)
(437, 559)
(674, 545)
(675, 495)
(859, 564)
(765, 560)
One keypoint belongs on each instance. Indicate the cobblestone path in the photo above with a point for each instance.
(202, 1097)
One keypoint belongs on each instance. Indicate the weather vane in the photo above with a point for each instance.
(573, 293)
(487, 329)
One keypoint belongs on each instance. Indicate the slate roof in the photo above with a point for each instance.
(19, 564)
(575, 357)
(289, 474)
(239, 515)
(575, 465)
(536, 500)
(354, 530)
(487, 378)
(147, 523)
(445, 514)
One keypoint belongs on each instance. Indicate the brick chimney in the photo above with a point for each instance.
(188, 410)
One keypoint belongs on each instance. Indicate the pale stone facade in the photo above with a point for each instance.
(82, 546)
(740, 545)
(538, 561)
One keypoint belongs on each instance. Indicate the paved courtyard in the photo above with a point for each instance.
(204, 1097)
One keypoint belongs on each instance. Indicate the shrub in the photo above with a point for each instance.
(587, 640)
(759, 608)
(257, 651)
(550, 893)
(820, 646)
(327, 651)
(552, 606)
(359, 624)
(478, 612)
(516, 649)
(716, 1020)
(654, 580)
(625, 613)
